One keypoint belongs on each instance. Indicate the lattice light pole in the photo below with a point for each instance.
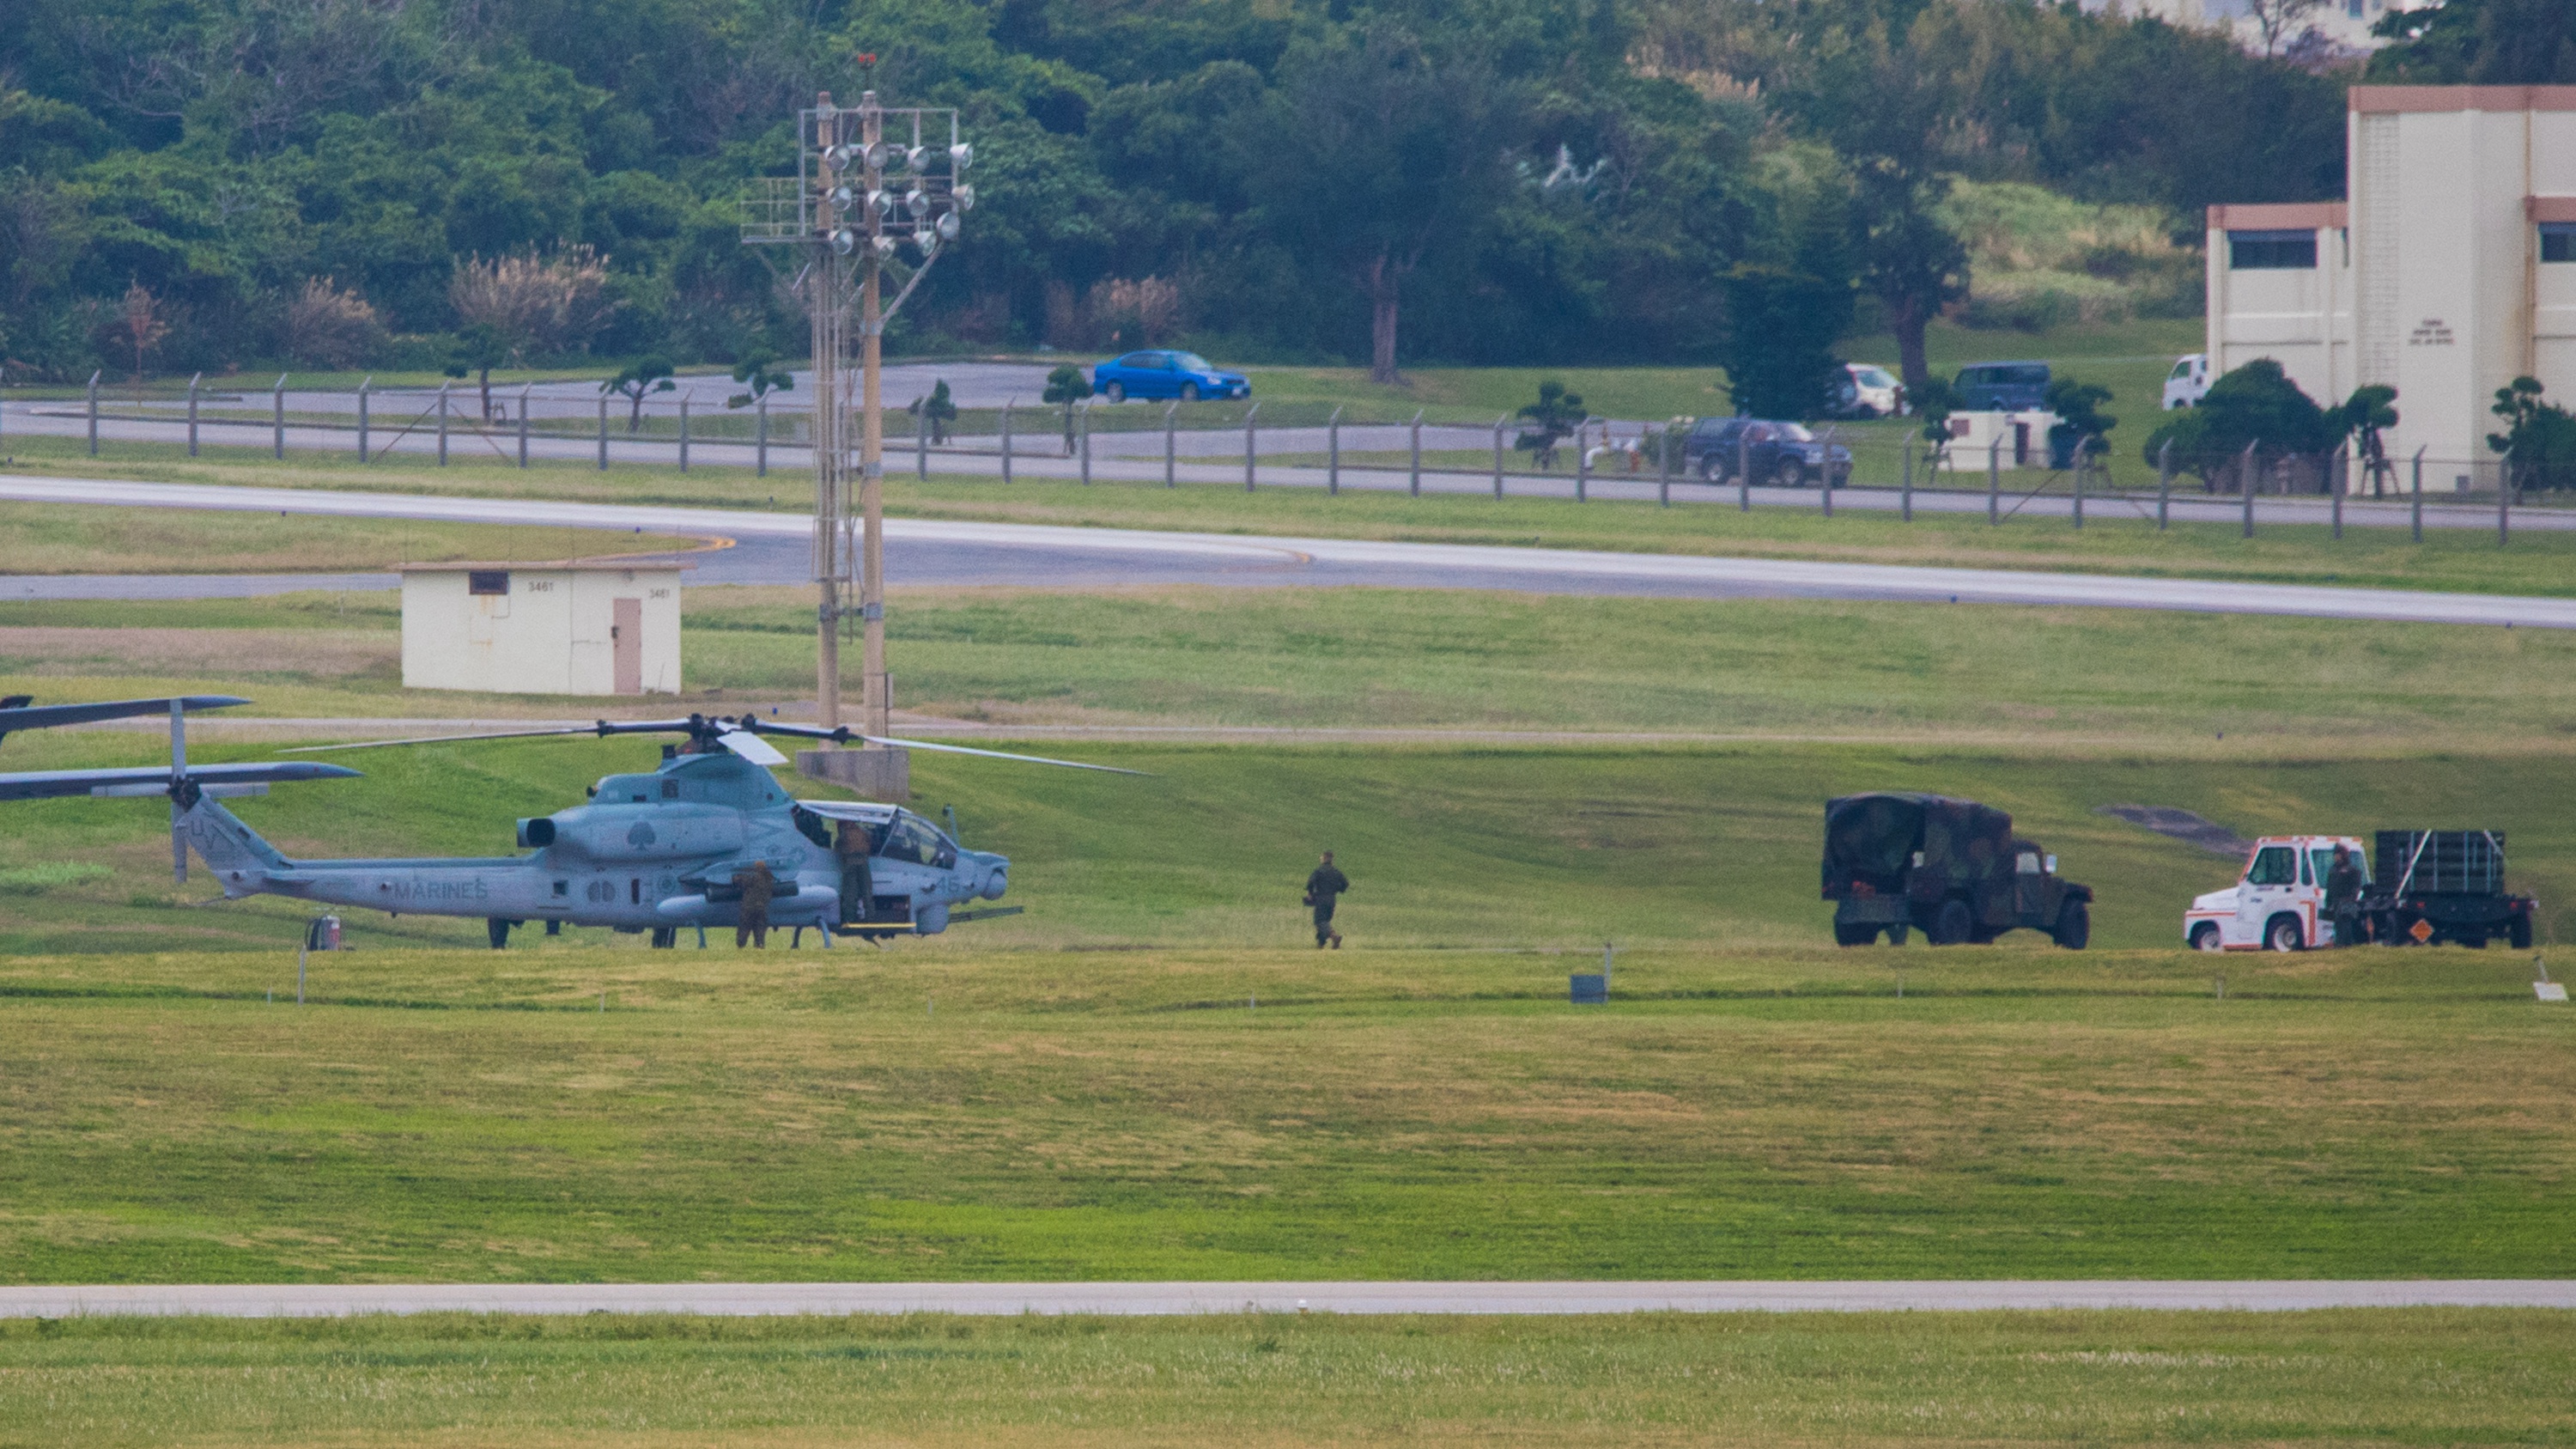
(868, 180)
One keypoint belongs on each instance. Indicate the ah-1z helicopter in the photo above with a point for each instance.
(653, 852)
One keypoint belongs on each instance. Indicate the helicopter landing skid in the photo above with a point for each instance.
(876, 931)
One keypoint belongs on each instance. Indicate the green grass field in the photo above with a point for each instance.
(2377, 1378)
(47, 538)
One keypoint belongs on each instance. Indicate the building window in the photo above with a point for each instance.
(2272, 251)
(487, 581)
(2558, 241)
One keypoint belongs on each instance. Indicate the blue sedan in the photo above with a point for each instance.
(1183, 375)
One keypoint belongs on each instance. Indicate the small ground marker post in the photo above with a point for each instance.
(2545, 989)
(2164, 485)
(2245, 483)
(2218, 986)
(2417, 524)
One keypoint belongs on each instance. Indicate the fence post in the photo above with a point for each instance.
(2245, 483)
(192, 413)
(1171, 439)
(2164, 484)
(1414, 487)
(1994, 481)
(1085, 444)
(1905, 487)
(1664, 466)
(2418, 522)
(920, 439)
(2504, 501)
(277, 413)
(442, 424)
(1825, 490)
(1582, 460)
(1248, 442)
(526, 390)
(1499, 424)
(365, 386)
(1006, 438)
(1743, 471)
(2080, 464)
(93, 414)
(1333, 454)
(684, 432)
(603, 432)
(2337, 471)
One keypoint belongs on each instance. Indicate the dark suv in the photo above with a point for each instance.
(1777, 453)
(2002, 387)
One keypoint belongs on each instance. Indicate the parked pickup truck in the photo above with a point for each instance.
(1952, 867)
(2426, 886)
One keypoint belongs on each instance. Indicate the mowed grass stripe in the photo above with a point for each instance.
(2407, 1376)
(1436, 1116)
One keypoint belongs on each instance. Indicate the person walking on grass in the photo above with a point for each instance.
(1321, 887)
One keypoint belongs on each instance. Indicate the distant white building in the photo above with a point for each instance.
(542, 628)
(2449, 272)
(2345, 22)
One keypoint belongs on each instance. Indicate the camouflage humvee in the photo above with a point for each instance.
(1952, 867)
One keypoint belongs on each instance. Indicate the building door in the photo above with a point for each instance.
(626, 645)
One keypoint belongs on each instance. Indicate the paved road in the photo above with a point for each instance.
(1034, 555)
(757, 1299)
(1136, 457)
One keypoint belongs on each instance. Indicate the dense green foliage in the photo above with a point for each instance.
(196, 183)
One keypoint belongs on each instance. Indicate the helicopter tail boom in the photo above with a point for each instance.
(243, 862)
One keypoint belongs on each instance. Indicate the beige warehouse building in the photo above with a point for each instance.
(542, 628)
(2450, 271)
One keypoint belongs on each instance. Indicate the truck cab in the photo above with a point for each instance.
(2278, 901)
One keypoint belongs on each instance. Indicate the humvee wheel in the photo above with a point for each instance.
(2204, 937)
(2282, 933)
(1896, 934)
(1952, 925)
(2518, 933)
(2074, 926)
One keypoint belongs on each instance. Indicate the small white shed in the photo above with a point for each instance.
(2008, 440)
(574, 627)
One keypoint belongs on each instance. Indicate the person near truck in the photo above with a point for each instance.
(2344, 881)
(1321, 887)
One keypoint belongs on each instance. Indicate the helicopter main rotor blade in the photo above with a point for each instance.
(999, 755)
(599, 729)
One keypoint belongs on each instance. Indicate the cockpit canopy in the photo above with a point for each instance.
(892, 833)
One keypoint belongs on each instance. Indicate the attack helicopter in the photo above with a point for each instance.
(652, 852)
(659, 851)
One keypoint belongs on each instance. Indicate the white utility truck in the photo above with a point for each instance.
(2280, 902)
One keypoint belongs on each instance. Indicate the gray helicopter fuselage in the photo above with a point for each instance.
(650, 851)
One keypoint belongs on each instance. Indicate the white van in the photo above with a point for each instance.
(2278, 904)
(2188, 382)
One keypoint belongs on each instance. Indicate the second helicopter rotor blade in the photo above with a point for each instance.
(999, 755)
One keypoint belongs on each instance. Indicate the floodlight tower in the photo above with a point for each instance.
(844, 214)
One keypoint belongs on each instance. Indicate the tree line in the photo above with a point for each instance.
(202, 184)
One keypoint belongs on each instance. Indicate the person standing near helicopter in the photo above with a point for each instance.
(1326, 883)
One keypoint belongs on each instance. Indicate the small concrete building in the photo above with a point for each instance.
(542, 628)
(2450, 271)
